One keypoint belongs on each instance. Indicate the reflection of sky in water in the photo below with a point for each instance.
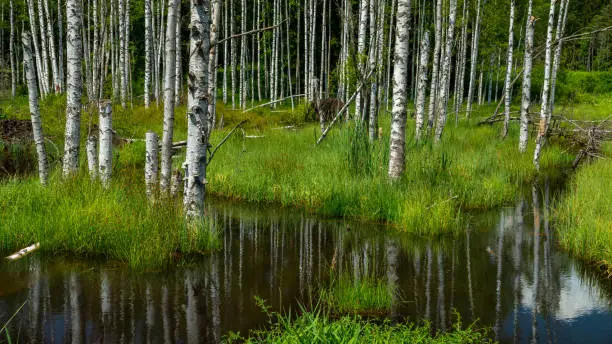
(576, 298)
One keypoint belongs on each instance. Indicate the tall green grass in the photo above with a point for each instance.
(318, 327)
(584, 214)
(367, 296)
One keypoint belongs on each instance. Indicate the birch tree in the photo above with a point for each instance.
(43, 45)
(441, 109)
(474, 59)
(105, 124)
(34, 107)
(527, 66)
(37, 55)
(122, 50)
(197, 106)
(422, 85)
(233, 53)
(148, 53)
(508, 81)
(74, 89)
(169, 84)
(212, 64)
(225, 46)
(563, 9)
(436, 63)
(60, 43)
(178, 79)
(361, 49)
(12, 54)
(400, 76)
(545, 87)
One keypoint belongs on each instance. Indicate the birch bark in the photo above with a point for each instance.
(400, 71)
(74, 87)
(212, 65)
(546, 86)
(507, 83)
(148, 53)
(197, 105)
(435, 68)
(527, 66)
(106, 142)
(178, 75)
(474, 60)
(446, 70)
(34, 107)
(12, 53)
(422, 85)
(169, 83)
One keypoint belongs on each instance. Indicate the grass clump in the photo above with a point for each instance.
(79, 217)
(318, 327)
(582, 216)
(367, 296)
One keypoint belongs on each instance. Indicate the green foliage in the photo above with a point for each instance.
(317, 326)
(582, 216)
(367, 296)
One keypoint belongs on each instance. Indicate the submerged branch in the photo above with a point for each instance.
(23, 252)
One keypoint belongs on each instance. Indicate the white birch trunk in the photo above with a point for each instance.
(74, 88)
(36, 52)
(563, 9)
(433, 90)
(322, 84)
(122, 57)
(361, 49)
(243, 51)
(43, 46)
(92, 156)
(546, 87)
(288, 55)
(508, 81)
(527, 66)
(225, 47)
(233, 52)
(259, 50)
(126, 46)
(60, 39)
(212, 65)
(446, 71)
(422, 85)
(54, 67)
(400, 76)
(34, 108)
(12, 54)
(473, 60)
(178, 67)
(151, 163)
(197, 106)
(168, 131)
(148, 53)
(105, 125)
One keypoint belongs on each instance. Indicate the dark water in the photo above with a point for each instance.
(507, 272)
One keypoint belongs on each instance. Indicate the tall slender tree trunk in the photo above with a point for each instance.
(60, 39)
(389, 52)
(197, 105)
(212, 64)
(527, 66)
(400, 74)
(233, 52)
(446, 70)
(508, 81)
(422, 85)
(225, 48)
(148, 53)
(51, 38)
(43, 46)
(435, 68)
(289, 55)
(361, 50)
(259, 50)
(34, 107)
(37, 53)
(12, 56)
(473, 59)
(169, 83)
(179, 58)
(74, 88)
(122, 50)
(243, 52)
(563, 9)
(545, 107)
(106, 142)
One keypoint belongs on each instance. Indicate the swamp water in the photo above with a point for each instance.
(507, 273)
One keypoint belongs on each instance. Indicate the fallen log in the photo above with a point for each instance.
(23, 252)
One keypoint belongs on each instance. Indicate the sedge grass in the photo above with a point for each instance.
(366, 296)
(583, 215)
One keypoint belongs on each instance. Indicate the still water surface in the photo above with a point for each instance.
(507, 272)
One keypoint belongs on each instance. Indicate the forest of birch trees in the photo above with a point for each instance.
(431, 60)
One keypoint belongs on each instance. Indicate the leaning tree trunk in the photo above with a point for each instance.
(197, 105)
(527, 66)
(435, 68)
(105, 125)
(546, 87)
(168, 131)
(148, 53)
(400, 76)
(422, 85)
(212, 65)
(508, 82)
(74, 89)
(441, 109)
(34, 108)
(473, 60)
